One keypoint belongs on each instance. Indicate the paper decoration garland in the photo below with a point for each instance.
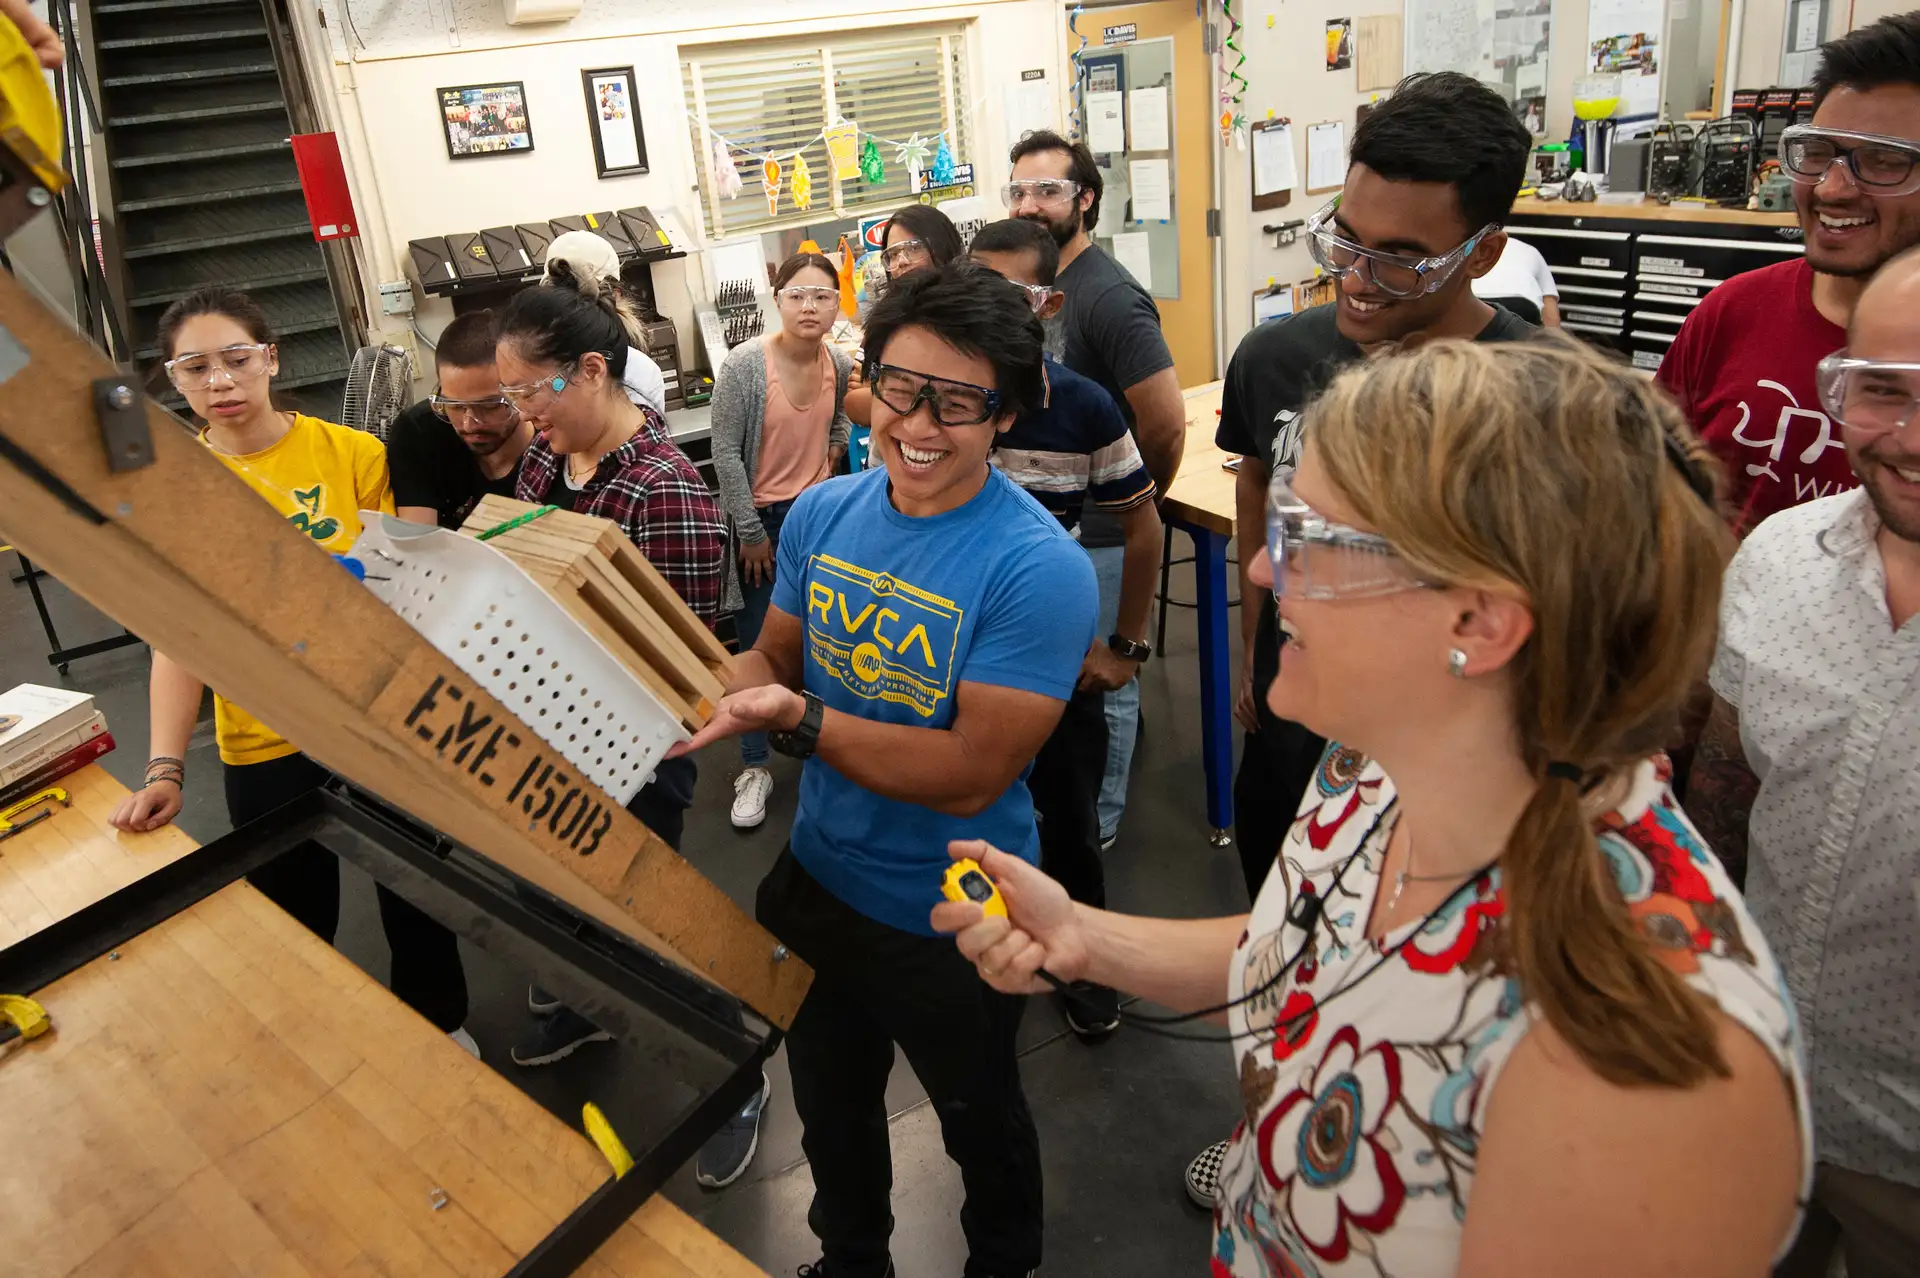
(843, 145)
(872, 170)
(913, 154)
(770, 178)
(1233, 85)
(849, 304)
(726, 178)
(800, 183)
(942, 172)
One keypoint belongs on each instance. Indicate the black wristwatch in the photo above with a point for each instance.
(1130, 649)
(800, 742)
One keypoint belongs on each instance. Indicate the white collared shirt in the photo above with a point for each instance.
(1829, 700)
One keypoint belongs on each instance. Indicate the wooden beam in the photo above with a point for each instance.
(185, 555)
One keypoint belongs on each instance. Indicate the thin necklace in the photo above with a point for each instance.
(1406, 876)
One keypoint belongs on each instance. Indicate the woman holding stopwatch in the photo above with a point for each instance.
(220, 355)
(1497, 1010)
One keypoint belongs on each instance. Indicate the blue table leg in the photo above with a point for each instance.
(1216, 677)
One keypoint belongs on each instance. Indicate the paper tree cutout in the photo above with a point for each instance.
(942, 173)
(843, 146)
(800, 183)
(726, 178)
(872, 171)
(770, 178)
(912, 153)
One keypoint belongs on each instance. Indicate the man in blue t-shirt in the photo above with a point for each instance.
(928, 624)
(1073, 450)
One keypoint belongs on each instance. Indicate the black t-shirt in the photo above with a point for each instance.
(1109, 330)
(430, 466)
(1276, 371)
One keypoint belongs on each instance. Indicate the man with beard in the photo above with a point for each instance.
(1108, 330)
(1742, 365)
(463, 441)
(1807, 771)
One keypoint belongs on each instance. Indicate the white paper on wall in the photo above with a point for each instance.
(1106, 125)
(1130, 249)
(1152, 191)
(1149, 108)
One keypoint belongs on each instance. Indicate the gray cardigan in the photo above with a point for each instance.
(739, 411)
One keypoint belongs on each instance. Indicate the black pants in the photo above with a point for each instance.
(1277, 764)
(873, 987)
(426, 973)
(662, 802)
(1065, 782)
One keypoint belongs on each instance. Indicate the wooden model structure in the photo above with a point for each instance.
(108, 493)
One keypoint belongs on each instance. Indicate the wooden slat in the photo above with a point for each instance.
(231, 1096)
(567, 593)
(193, 562)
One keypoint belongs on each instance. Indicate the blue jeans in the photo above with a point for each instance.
(754, 751)
(1123, 704)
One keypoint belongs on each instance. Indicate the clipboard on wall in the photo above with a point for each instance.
(1274, 171)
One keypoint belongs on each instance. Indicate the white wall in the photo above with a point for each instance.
(406, 187)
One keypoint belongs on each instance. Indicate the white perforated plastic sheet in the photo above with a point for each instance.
(481, 611)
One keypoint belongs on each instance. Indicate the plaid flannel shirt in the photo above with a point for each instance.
(654, 493)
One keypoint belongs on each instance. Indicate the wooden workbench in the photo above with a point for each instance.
(1648, 210)
(1202, 491)
(231, 1096)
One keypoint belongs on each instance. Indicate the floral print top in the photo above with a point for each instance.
(1364, 1108)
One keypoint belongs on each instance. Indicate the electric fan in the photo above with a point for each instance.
(379, 385)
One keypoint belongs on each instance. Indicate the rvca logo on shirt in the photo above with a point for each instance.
(884, 639)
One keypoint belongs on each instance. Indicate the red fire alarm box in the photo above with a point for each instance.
(323, 178)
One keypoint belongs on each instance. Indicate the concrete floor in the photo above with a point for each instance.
(1118, 1121)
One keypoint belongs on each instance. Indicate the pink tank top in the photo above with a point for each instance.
(793, 439)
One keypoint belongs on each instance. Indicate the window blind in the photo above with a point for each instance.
(774, 97)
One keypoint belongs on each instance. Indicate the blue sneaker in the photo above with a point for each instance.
(729, 1152)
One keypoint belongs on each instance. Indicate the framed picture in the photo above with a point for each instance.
(485, 119)
(619, 147)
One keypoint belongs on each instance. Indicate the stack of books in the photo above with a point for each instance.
(45, 734)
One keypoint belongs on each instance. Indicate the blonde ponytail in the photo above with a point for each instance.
(1543, 467)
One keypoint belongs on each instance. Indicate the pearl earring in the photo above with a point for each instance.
(1457, 663)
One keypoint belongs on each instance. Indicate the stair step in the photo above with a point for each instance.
(152, 6)
(176, 68)
(185, 229)
(179, 185)
(225, 29)
(248, 136)
(292, 310)
(248, 267)
(183, 103)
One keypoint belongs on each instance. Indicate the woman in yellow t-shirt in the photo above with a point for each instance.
(220, 355)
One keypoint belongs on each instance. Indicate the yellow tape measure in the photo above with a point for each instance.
(966, 881)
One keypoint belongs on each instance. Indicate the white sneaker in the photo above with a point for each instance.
(465, 1042)
(751, 789)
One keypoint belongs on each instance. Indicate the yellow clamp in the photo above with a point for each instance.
(600, 1131)
(29, 116)
(21, 1016)
(51, 795)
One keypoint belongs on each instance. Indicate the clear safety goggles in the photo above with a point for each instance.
(1314, 558)
(1868, 394)
(1879, 164)
(905, 254)
(487, 412)
(1395, 274)
(806, 296)
(536, 397)
(1045, 192)
(197, 370)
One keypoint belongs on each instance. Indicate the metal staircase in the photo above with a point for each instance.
(201, 186)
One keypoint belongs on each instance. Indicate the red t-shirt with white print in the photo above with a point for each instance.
(1742, 368)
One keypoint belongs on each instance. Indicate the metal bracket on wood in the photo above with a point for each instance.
(122, 411)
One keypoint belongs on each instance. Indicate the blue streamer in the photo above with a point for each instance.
(1076, 114)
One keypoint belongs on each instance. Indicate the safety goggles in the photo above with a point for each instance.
(495, 411)
(807, 296)
(1313, 558)
(1042, 191)
(197, 370)
(1394, 274)
(536, 397)
(905, 253)
(1868, 395)
(1878, 164)
(1037, 294)
(951, 403)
